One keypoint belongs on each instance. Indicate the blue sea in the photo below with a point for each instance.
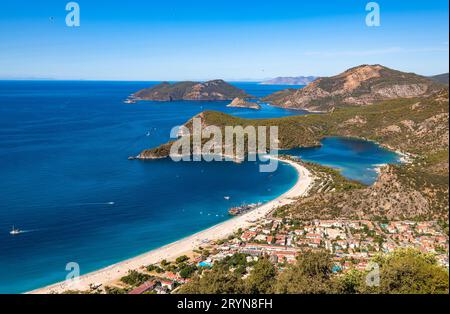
(66, 180)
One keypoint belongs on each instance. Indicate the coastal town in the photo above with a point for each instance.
(351, 243)
(263, 231)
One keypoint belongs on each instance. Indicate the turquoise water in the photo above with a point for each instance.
(66, 180)
(356, 159)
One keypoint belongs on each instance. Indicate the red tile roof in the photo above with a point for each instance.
(148, 285)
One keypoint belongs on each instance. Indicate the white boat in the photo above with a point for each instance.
(15, 231)
(226, 197)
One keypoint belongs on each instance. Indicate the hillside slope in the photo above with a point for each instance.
(441, 78)
(358, 86)
(417, 126)
(209, 91)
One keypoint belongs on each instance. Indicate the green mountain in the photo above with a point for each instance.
(211, 90)
(358, 86)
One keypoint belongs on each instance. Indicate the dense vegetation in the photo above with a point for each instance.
(211, 90)
(404, 271)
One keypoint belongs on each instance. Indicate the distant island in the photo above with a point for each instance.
(207, 91)
(297, 80)
(242, 103)
(441, 78)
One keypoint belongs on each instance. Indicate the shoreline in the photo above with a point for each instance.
(185, 245)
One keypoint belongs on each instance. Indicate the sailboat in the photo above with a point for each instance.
(15, 231)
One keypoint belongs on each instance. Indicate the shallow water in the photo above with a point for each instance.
(356, 159)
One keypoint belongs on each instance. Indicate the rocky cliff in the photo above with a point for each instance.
(358, 86)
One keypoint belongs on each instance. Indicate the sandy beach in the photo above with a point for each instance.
(111, 273)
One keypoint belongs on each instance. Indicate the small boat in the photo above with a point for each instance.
(226, 197)
(130, 101)
(15, 231)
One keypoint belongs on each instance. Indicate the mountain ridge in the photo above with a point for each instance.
(441, 78)
(358, 86)
(189, 90)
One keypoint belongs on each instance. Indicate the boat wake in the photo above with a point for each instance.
(90, 204)
(17, 231)
(27, 231)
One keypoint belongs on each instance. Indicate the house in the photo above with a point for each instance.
(261, 237)
(248, 235)
(330, 223)
(280, 239)
(314, 243)
(171, 276)
(335, 233)
(313, 236)
(299, 232)
(167, 284)
(289, 257)
(146, 286)
(161, 290)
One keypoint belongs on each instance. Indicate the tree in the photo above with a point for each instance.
(350, 282)
(187, 271)
(311, 274)
(218, 280)
(409, 271)
(164, 263)
(235, 260)
(181, 259)
(405, 271)
(114, 290)
(135, 278)
(261, 278)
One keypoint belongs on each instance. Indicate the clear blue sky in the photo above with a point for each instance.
(233, 40)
